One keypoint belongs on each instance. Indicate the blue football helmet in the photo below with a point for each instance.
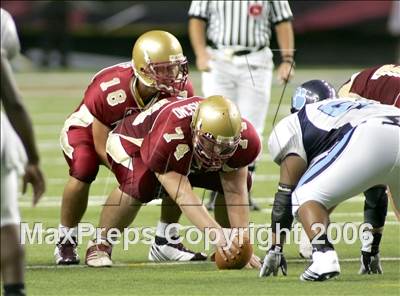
(310, 92)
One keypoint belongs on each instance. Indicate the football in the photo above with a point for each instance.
(240, 260)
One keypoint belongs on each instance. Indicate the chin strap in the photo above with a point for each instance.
(139, 100)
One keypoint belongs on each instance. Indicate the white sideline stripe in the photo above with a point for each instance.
(138, 264)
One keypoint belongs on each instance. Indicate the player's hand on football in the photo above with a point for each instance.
(254, 263)
(202, 61)
(34, 176)
(227, 250)
(285, 72)
(273, 261)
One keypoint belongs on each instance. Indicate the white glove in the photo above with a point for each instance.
(272, 262)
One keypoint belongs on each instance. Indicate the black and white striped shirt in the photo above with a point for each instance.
(240, 23)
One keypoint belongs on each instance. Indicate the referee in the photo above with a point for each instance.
(231, 42)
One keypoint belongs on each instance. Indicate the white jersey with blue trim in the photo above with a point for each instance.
(317, 127)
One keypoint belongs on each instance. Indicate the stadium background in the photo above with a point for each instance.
(327, 32)
(333, 39)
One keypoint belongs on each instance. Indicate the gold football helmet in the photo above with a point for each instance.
(216, 126)
(158, 61)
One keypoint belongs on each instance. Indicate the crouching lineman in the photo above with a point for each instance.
(323, 145)
(281, 216)
(158, 69)
(179, 144)
(383, 88)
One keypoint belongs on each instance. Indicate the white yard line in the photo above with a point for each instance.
(99, 200)
(163, 264)
(95, 200)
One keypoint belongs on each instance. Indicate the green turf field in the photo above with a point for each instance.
(51, 96)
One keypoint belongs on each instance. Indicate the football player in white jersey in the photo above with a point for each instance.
(309, 92)
(333, 150)
(19, 156)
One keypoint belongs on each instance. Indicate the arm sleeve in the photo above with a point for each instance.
(286, 139)
(94, 102)
(280, 12)
(199, 9)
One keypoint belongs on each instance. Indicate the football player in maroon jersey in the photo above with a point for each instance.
(158, 69)
(382, 84)
(180, 144)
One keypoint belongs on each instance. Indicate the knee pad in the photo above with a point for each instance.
(375, 206)
(282, 209)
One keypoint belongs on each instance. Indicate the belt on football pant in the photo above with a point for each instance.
(241, 52)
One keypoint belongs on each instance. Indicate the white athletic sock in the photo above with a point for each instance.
(63, 231)
(172, 228)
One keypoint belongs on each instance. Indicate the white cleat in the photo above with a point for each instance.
(325, 265)
(98, 254)
(161, 252)
(66, 253)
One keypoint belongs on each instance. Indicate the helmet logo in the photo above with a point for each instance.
(176, 57)
(146, 57)
(299, 98)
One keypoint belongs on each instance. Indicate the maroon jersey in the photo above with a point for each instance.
(168, 145)
(160, 139)
(380, 83)
(110, 95)
(109, 98)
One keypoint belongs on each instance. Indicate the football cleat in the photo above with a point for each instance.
(98, 254)
(66, 253)
(325, 265)
(161, 251)
(370, 264)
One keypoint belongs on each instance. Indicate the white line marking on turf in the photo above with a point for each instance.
(95, 200)
(163, 264)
